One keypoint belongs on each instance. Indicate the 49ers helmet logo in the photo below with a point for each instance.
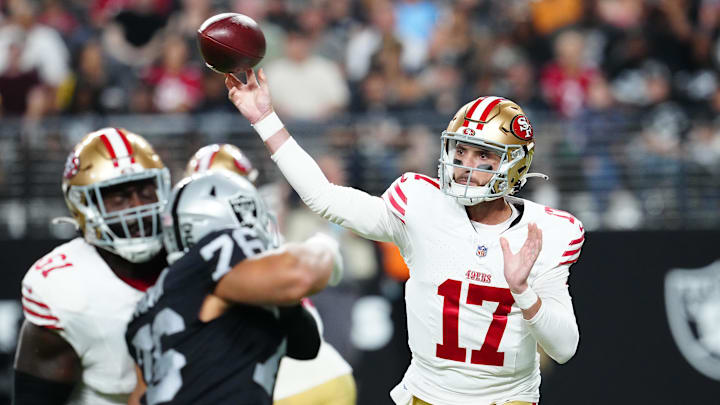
(72, 166)
(469, 131)
(521, 128)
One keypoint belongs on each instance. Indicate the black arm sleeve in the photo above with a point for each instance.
(31, 390)
(302, 332)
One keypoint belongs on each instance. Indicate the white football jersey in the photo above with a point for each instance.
(469, 342)
(73, 291)
(296, 376)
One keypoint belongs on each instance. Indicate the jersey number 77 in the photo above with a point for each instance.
(488, 353)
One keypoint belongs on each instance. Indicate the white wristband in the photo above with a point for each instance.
(268, 126)
(526, 299)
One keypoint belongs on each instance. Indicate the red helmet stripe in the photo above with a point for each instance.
(110, 149)
(128, 146)
(486, 112)
(116, 141)
(212, 157)
(242, 167)
(472, 110)
(205, 157)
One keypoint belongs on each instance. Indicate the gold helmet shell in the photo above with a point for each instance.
(493, 123)
(221, 157)
(109, 157)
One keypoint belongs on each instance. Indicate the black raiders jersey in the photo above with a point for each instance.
(232, 359)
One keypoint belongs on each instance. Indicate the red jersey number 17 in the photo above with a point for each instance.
(488, 353)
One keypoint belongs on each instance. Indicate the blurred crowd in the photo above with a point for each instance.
(567, 56)
(631, 85)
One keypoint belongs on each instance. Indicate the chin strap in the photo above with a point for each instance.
(65, 220)
(523, 180)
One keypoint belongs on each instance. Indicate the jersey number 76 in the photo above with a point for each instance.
(488, 353)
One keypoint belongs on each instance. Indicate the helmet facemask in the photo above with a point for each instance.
(498, 185)
(132, 233)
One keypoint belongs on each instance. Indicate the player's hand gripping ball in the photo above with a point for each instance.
(231, 42)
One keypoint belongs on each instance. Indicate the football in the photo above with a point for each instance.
(231, 42)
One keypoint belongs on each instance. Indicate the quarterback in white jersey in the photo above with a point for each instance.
(78, 299)
(325, 380)
(488, 272)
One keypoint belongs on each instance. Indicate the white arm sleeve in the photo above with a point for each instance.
(356, 210)
(554, 326)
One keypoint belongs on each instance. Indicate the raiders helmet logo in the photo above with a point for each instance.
(245, 210)
(72, 166)
(469, 131)
(521, 128)
(187, 232)
(692, 301)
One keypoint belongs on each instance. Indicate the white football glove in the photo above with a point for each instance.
(334, 246)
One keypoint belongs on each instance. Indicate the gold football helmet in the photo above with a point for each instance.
(496, 124)
(221, 156)
(111, 157)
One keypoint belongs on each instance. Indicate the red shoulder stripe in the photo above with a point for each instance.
(397, 206)
(571, 252)
(38, 303)
(33, 313)
(578, 240)
(400, 193)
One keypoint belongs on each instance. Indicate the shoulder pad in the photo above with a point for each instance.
(570, 234)
(53, 282)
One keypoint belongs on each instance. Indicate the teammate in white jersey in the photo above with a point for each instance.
(488, 272)
(325, 380)
(78, 299)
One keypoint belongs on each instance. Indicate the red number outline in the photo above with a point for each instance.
(48, 263)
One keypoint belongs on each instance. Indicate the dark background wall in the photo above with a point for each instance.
(627, 353)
